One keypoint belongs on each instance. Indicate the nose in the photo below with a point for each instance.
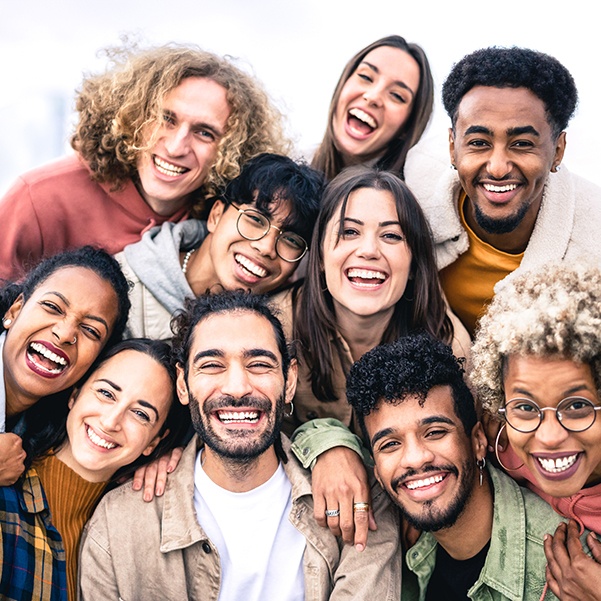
(176, 140)
(112, 417)
(266, 245)
(368, 247)
(499, 164)
(551, 433)
(373, 95)
(236, 382)
(415, 454)
(65, 331)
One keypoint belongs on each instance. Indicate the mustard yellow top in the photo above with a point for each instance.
(469, 282)
(72, 501)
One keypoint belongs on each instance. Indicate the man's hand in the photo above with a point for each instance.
(573, 575)
(153, 476)
(12, 457)
(339, 480)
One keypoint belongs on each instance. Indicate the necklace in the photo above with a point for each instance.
(186, 259)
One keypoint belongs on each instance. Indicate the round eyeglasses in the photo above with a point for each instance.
(253, 225)
(575, 414)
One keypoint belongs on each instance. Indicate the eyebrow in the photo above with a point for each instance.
(91, 317)
(381, 224)
(398, 82)
(568, 392)
(246, 353)
(198, 124)
(510, 131)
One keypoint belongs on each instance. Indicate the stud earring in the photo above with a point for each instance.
(453, 167)
(6, 322)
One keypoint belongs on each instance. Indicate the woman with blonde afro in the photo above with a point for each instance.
(160, 131)
(537, 368)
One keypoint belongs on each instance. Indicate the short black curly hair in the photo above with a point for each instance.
(411, 366)
(514, 67)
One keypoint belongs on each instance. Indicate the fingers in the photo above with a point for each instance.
(176, 455)
(574, 545)
(553, 568)
(150, 478)
(491, 425)
(362, 524)
(553, 585)
(161, 475)
(595, 546)
(319, 509)
(138, 478)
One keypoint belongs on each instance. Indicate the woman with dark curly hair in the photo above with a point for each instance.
(537, 368)
(159, 132)
(54, 325)
(379, 110)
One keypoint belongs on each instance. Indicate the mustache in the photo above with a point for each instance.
(411, 473)
(228, 401)
(519, 178)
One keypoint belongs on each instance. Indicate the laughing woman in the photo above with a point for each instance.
(122, 414)
(54, 325)
(379, 110)
(537, 365)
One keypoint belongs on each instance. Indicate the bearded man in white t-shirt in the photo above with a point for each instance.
(236, 520)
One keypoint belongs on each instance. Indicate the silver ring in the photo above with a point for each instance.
(332, 513)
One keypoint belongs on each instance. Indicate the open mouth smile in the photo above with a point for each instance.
(366, 278)
(252, 416)
(166, 168)
(417, 484)
(361, 123)
(249, 267)
(556, 466)
(98, 440)
(45, 361)
(499, 189)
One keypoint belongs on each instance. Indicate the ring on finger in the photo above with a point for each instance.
(332, 513)
(360, 507)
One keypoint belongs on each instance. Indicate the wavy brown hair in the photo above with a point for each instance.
(422, 306)
(116, 106)
(329, 160)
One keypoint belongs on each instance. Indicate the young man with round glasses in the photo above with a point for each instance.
(254, 238)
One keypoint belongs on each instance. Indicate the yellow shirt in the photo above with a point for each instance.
(469, 281)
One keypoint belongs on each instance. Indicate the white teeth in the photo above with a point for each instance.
(251, 267)
(507, 188)
(168, 168)
(415, 484)
(555, 466)
(377, 277)
(363, 116)
(42, 350)
(226, 417)
(99, 441)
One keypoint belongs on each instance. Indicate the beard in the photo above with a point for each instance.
(433, 518)
(242, 446)
(504, 225)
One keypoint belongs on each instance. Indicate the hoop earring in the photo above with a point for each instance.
(507, 469)
(291, 410)
(481, 463)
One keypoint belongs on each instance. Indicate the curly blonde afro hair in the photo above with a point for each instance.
(552, 312)
(116, 106)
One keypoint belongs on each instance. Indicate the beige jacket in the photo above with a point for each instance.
(138, 551)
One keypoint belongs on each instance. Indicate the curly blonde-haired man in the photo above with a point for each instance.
(160, 131)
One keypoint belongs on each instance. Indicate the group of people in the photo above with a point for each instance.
(374, 377)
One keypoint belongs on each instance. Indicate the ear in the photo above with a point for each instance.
(452, 145)
(73, 397)
(153, 443)
(182, 386)
(377, 474)
(215, 215)
(291, 380)
(560, 148)
(14, 310)
(479, 442)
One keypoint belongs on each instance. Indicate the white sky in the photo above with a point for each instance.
(297, 48)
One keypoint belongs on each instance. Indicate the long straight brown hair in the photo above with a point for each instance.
(328, 158)
(421, 307)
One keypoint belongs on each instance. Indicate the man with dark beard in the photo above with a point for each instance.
(482, 533)
(507, 202)
(236, 520)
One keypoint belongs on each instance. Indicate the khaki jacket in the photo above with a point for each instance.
(137, 551)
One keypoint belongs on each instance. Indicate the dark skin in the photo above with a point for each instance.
(571, 574)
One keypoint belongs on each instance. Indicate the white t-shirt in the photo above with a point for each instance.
(261, 551)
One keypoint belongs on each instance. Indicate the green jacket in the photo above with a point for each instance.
(515, 564)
